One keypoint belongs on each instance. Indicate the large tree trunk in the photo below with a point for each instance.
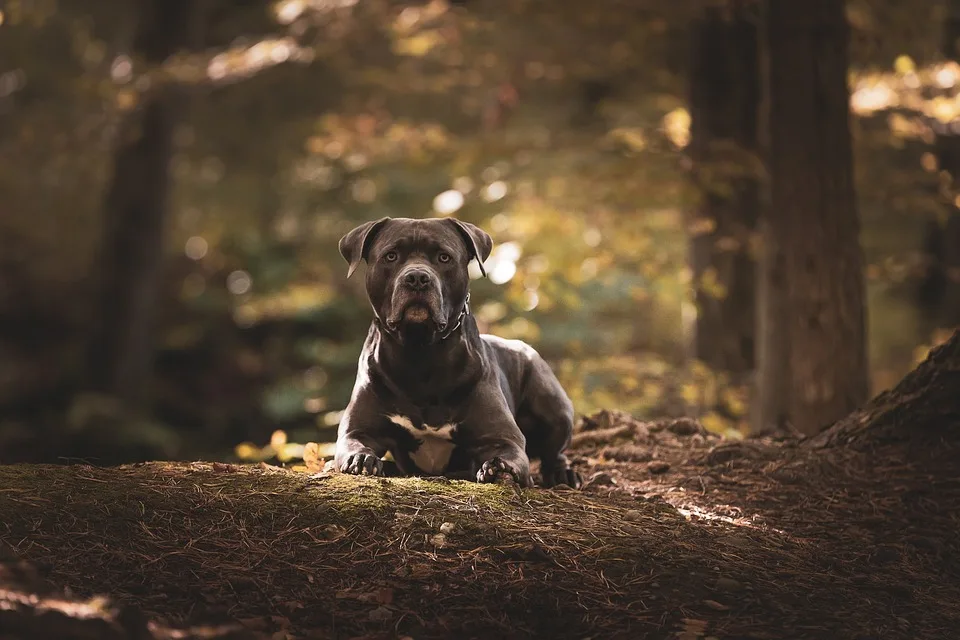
(940, 286)
(724, 104)
(813, 214)
(136, 205)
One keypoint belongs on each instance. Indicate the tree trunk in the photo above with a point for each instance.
(136, 205)
(724, 105)
(940, 287)
(813, 213)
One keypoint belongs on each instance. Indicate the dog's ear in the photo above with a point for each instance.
(478, 241)
(355, 246)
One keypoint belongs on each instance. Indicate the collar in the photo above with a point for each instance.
(463, 313)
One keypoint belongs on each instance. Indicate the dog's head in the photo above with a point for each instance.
(417, 277)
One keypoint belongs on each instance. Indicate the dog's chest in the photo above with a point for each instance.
(433, 444)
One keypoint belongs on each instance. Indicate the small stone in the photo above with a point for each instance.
(447, 527)
(438, 540)
(716, 606)
(728, 584)
(380, 614)
(658, 467)
(632, 515)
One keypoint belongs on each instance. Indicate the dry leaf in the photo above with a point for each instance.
(716, 606)
(311, 457)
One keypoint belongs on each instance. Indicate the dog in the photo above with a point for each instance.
(443, 399)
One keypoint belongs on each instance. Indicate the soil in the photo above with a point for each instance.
(854, 533)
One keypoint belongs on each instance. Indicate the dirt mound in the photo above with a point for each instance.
(677, 534)
(327, 556)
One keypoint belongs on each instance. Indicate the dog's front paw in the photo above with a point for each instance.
(499, 470)
(362, 464)
(563, 474)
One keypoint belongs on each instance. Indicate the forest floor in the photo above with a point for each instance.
(677, 534)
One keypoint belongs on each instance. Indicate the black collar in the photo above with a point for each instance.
(463, 313)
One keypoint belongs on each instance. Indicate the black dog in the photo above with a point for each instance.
(443, 399)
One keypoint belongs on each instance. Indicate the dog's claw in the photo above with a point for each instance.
(497, 469)
(363, 464)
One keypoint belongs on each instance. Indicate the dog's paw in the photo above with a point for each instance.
(363, 464)
(499, 470)
(562, 475)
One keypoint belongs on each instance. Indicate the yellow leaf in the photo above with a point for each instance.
(314, 454)
(417, 46)
(904, 65)
(247, 451)
(278, 439)
(735, 400)
(631, 137)
(711, 285)
(676, 126)
(713, 423)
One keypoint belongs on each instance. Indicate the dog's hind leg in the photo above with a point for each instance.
(546, 417)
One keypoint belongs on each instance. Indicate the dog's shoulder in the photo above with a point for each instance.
(510, 354)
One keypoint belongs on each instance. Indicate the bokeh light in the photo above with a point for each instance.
(448, 202)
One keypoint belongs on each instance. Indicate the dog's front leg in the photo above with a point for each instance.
(360, 444)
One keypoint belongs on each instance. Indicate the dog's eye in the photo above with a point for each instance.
(444, 257)
(391, 256)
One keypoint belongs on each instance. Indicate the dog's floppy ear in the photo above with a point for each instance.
(478, 241)
(355, 246)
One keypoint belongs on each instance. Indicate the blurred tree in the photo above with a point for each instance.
(136, 204)
(813, 220)
(724, 111)
(940, 286)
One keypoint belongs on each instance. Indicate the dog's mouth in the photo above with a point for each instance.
(417, 313)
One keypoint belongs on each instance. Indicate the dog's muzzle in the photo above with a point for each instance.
(417, 299)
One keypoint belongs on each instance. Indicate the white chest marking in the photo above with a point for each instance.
(436, 443)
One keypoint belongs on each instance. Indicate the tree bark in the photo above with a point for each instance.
(813, 213)
(724, 106)
(939, 293)
(136, 204)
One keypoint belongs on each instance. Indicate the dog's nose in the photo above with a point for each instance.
(417, 279)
